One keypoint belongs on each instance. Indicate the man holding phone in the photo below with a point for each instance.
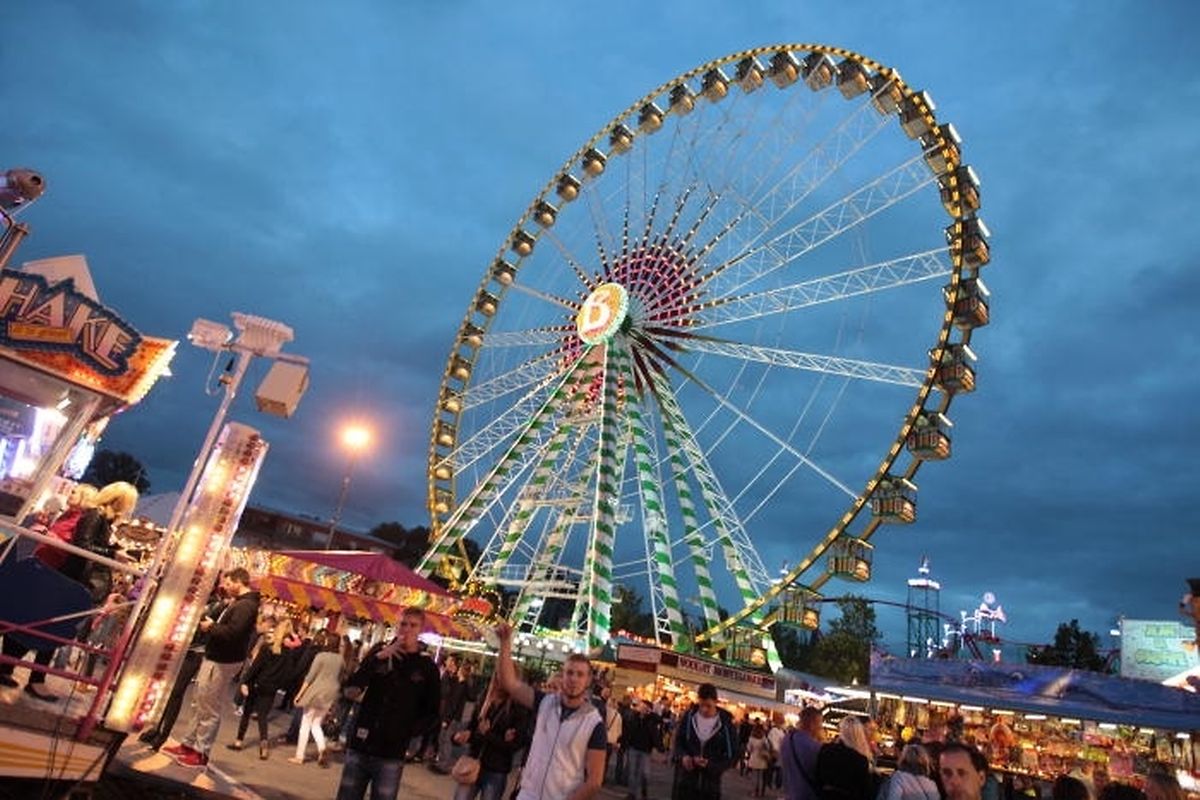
(705, 746)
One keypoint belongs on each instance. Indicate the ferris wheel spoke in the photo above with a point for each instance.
(758, 426)
(539, 491)
(500, 430)
(741, 560)
(547, 572)
(665, 606)
(865, 202)
(758, 214)
(594, 608)
(534, 371)
(830, 365)
(530, 338)
(516, 459)
(878, 277)
(699, 550)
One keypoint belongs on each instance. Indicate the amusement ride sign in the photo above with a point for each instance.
(37, 316)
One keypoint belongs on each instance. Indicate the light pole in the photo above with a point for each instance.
(355, 438)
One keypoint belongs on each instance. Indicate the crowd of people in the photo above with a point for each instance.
(393, 705)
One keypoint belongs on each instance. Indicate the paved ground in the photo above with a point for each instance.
(139, 773)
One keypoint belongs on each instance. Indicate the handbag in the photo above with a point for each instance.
(465, 770)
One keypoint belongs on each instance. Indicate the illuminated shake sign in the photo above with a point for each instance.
(37, 316)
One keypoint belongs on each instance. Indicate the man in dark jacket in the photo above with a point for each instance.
(640, 736)
(156, 735)
(401, 694)
(228, 643)
(706, 741)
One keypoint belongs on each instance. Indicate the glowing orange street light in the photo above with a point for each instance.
(355, 439)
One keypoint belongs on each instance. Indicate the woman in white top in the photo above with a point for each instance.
(758, 758)
(317, 695)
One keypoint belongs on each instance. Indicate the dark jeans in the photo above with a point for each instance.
(257, 703)
(14, 649)
(359, 770)
(187, 671)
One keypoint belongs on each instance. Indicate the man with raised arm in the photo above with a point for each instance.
(566, 756)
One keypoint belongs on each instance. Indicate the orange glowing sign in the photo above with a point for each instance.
(602, 313)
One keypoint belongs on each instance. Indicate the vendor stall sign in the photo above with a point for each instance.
(37, 316)
(711, 669)
(1155, 650)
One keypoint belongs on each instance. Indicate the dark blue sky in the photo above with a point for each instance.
(352, 169)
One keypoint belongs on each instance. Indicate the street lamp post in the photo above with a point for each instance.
(355, 439)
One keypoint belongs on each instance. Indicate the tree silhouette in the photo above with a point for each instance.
(1074, 648)
(627, 613)
(110, 466)
(844, 652)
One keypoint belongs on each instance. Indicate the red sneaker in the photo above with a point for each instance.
(178, 750)
(192, 759)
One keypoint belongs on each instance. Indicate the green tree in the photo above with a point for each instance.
(844, 653)
(409, 543)
(108, 466)
(627, 613)
(795, 649)
(1072, 647)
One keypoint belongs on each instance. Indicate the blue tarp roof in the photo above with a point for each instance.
(1037, 689)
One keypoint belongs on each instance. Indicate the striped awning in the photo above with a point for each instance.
(358, 606)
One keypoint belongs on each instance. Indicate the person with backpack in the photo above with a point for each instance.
(798, 756)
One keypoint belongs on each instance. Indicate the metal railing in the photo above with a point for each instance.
(113, 654)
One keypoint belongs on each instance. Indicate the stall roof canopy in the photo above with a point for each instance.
(1044, 690)
(376, 566)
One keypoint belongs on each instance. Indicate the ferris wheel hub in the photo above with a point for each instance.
(602, 313)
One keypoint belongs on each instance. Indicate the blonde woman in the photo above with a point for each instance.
(112, 504)
(270, 671)
(844, 765)
(317, 694)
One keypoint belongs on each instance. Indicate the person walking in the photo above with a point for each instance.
(224, 654)
(317, 694)
(614, 726)
(911, 780)
(640, 738)
(499, 730)
(268, 673)
(566, 753)
(705, 745)
(758, 751)
(399, 694)
(157, 734)
(798, 756)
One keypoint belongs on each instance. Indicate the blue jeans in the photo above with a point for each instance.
(637, 761)
(490, 786)
(360, 769)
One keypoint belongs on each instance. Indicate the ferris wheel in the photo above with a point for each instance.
(736, 316)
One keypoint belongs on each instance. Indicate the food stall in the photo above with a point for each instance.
(654, 674)
(1041, 721)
